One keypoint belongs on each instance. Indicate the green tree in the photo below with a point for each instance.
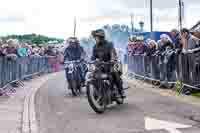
(32, 39)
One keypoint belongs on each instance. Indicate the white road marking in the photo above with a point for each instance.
(171, 127)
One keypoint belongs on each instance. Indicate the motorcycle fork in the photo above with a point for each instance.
(102, 91)
(107, 92)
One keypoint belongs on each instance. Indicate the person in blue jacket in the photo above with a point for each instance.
(22, 51)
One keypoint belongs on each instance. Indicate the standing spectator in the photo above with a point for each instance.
(150, 48)
(50, 51)
(165, 50)
(176, 38)
(55, 50)
(36, 51)
(29, 49)
(22, 50)
(42, 51)
(4, 49)
(164, 43)
(10, 49)
(1, 48)
(147, 41)
(189, 42)
(61, 57)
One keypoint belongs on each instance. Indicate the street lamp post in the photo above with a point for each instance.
(132, 24)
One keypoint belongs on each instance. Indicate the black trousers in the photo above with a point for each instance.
(117, 80)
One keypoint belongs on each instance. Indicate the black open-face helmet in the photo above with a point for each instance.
(98, 33)
(72, 40)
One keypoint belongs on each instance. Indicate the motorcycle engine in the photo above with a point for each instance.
(118, 67)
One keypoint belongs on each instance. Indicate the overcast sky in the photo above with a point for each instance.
(55, 17)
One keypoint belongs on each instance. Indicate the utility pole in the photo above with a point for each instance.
(151, 17)
(74, 26)
(180, 20)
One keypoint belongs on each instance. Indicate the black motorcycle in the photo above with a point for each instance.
(100, 88)
(72, 69)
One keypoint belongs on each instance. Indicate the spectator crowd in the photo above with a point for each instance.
(182, 41)
(163, 53)
(12, 48)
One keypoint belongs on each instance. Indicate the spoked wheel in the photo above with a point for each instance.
(120, 100)
(95, 99)
(73, 87)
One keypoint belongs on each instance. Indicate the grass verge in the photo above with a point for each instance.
(196, 93)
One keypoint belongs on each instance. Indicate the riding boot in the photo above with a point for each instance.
(121, 90)
(119, 83)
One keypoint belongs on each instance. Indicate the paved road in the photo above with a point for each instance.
(58, 113)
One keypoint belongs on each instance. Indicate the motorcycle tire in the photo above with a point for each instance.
(73, 87)
(99, 109)
(120, 101)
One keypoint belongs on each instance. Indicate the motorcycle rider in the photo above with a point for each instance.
(75, 52)
(106, 52)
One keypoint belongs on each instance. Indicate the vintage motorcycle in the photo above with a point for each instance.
(72, 69)
(101, 91)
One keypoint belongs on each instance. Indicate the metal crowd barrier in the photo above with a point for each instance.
(186, 69)
(12, 70)
(150, 67)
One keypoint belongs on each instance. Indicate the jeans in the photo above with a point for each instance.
(83, 70)
(167, 72)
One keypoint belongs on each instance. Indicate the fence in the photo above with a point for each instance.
(188, 69)
(17, 69)
(185, 68)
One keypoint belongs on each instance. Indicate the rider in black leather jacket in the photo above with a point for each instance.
(75, 52)
(105, 51)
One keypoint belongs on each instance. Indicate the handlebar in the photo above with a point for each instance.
(101, 62)
(91, 62)
(74, 61)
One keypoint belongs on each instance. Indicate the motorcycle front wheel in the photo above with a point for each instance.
(73, 87)
(120, 100)
(95, 99)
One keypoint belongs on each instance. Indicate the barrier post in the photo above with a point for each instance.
(1, 72)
